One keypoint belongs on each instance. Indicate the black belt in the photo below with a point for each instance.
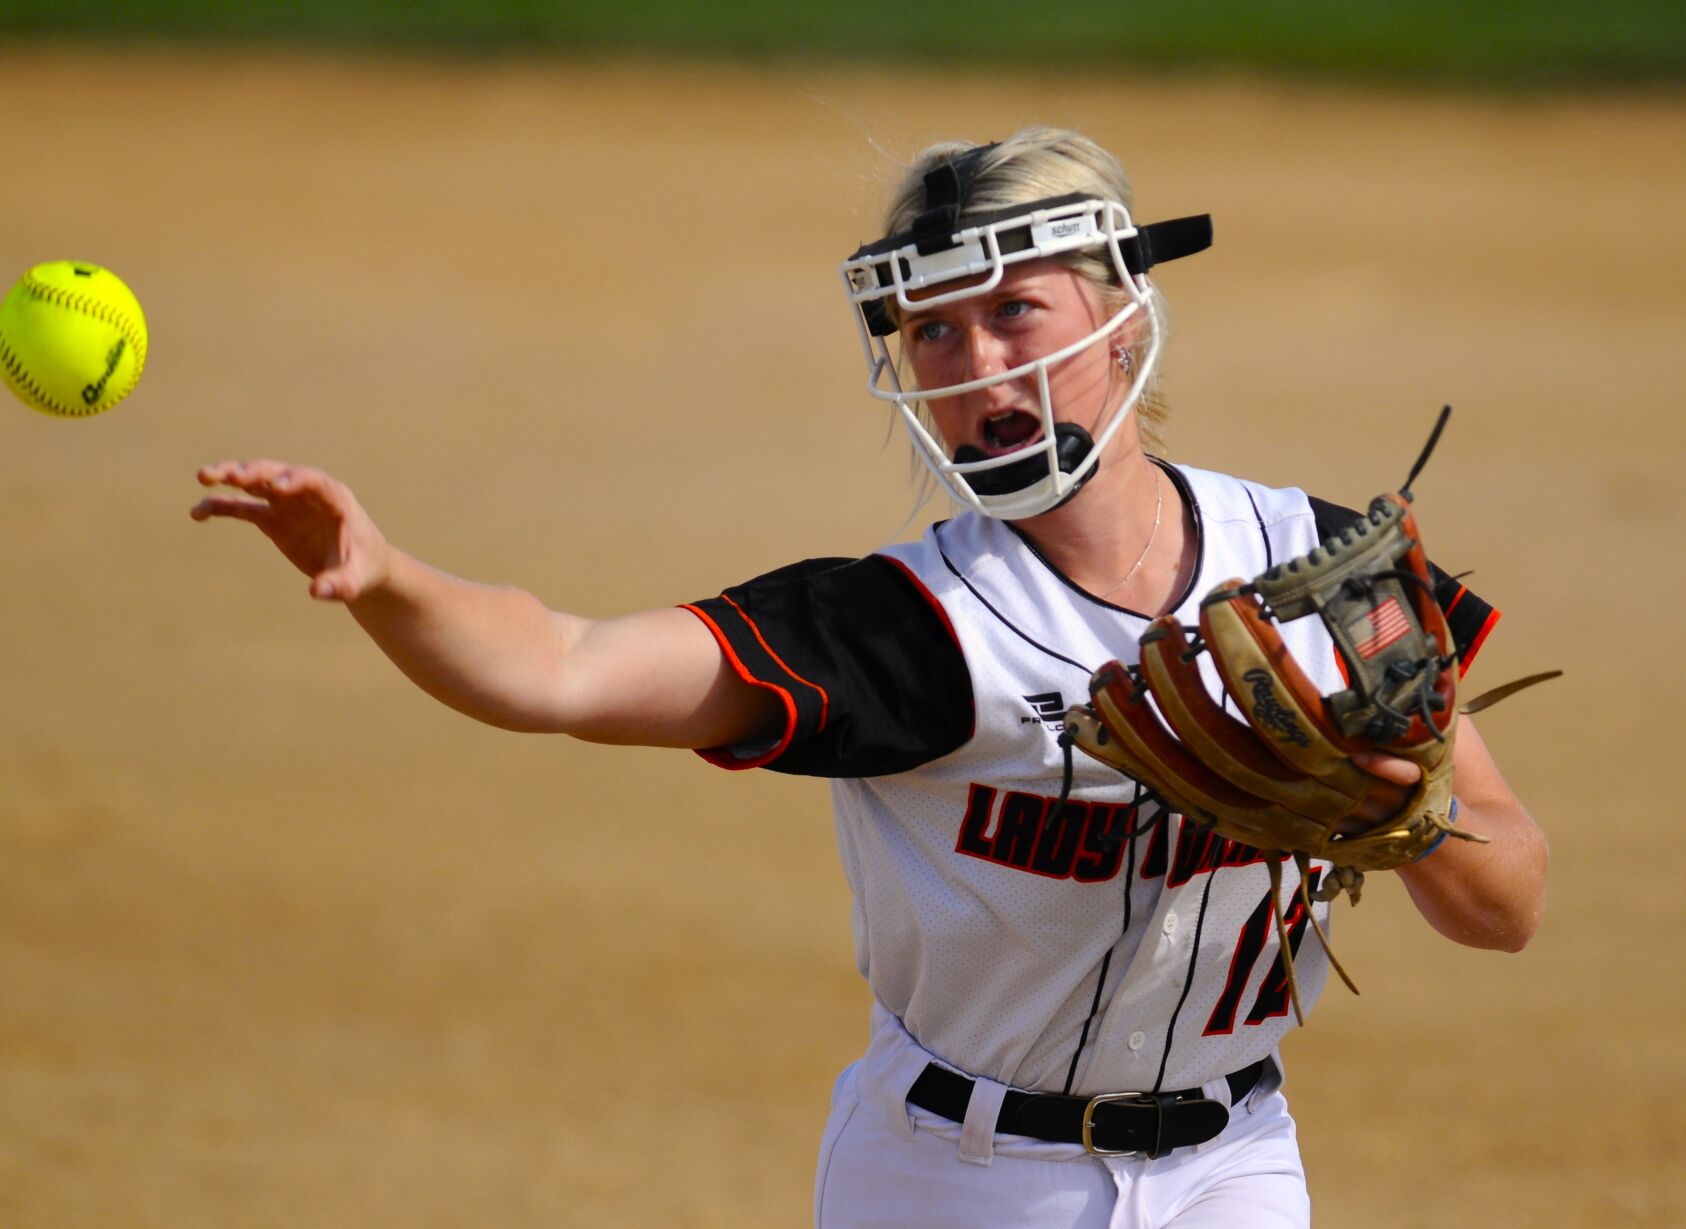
(1108, 1125)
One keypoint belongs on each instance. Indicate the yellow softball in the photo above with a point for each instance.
(72, 339)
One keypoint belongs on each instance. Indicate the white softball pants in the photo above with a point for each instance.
(886, 1163)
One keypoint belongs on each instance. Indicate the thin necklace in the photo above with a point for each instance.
(1158, 507)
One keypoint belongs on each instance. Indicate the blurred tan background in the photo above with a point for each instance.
(284, 943)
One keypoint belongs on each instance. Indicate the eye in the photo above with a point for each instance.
(930, 330)
(1014, 309)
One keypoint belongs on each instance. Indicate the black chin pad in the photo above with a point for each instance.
(1071, 445)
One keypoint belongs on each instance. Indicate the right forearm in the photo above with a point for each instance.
(495, 653)
(654, 677)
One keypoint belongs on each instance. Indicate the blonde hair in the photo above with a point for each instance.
(1031, 165)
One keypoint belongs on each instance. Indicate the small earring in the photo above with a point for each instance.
(1124, 360)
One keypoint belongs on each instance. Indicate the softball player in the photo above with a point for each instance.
(1077, 1004)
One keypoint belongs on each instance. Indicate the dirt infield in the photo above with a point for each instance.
(284, 943)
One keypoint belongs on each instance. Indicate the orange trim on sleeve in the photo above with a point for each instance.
(722, 757)
(942, 614)
(825, 700)
(1465, 660)
(929, 597)
(1448, 610)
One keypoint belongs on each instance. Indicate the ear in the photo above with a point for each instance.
(1128, 333)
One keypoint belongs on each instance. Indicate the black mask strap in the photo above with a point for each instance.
(946, 187)
(1161, 241)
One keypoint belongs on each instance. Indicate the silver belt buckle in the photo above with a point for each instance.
(1139, 1099)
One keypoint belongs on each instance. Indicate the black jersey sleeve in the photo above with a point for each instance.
(864, 661)
(1468, 617)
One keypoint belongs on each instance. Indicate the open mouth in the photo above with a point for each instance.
(1010, 431)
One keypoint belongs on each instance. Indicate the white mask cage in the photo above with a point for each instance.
(933, 253)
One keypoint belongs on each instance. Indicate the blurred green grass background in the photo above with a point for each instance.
(1505, 43)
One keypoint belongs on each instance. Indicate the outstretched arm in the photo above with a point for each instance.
(496, 653)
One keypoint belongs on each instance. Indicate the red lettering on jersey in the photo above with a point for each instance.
(974, 827)
(1273, 998)
(1248, 944)
(1077, 840)
(1201, 851)
(1102, 851)
(1021, 816)
(1058, 842)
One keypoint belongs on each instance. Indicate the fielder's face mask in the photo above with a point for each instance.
(1044, 474)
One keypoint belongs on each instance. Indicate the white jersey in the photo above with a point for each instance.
(1027, 946)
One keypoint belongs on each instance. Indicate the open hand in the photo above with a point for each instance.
(312, 517)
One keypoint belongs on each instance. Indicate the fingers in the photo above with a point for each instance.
(1394, 781)
(242, 475)
(228, 506)
(271, 479)
(311, 517)
(1388, 767)
(277, 484)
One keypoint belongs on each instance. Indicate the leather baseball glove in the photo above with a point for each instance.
(1281, 778)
